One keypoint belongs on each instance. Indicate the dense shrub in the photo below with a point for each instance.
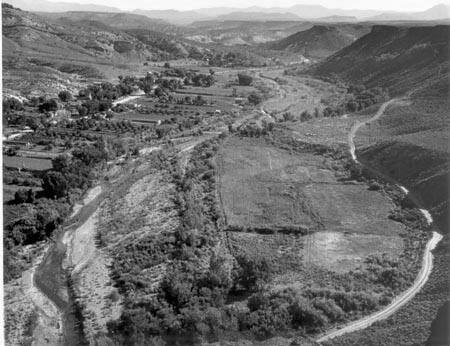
(24, 196)
(12, 104)
(254, 99)
(65, 96)
(203, 80)
(244, 79)
(252, 273)
(37, 223)
(55, 184)
(48, 106)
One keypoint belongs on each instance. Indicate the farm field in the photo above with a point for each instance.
(264, 189)
(28, 163)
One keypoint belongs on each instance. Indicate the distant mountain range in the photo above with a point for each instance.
(255, 13)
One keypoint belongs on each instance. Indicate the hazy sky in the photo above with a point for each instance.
(396, 5)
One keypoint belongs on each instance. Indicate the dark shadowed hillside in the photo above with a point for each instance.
(321, 40)
(399, 58)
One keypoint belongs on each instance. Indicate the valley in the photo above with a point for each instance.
(276, 181)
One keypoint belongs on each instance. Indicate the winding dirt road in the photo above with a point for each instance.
(358, 125)
(422, 278)
(427, 262)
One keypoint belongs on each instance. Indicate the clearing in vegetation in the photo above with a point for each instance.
(266, 188)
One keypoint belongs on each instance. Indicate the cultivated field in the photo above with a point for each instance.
(266, 189)
(27, 163)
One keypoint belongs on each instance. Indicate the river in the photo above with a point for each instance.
(51, 276)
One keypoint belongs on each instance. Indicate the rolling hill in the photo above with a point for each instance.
(320, 41)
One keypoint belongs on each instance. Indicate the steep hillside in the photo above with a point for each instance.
(399, 58)
(42, 52)
(321, 40)
(102, 35)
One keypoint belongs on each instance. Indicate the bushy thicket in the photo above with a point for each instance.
(11, 104)
(244, 79)
(75, 172)
(273, 313)
(358, 99)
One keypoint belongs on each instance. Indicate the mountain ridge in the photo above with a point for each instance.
(304, 11)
